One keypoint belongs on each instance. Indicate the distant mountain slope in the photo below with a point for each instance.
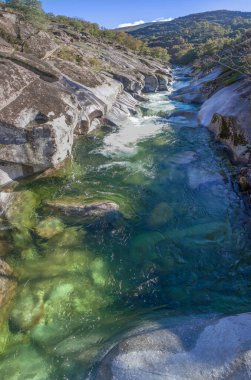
(192, 36)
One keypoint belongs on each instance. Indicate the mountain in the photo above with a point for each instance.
(192, 36)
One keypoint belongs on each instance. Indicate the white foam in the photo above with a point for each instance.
(144, 167)
(135, 129)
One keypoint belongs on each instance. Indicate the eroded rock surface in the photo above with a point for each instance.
(228, 113)
(79, 210)
(56, 84)
(183, 349)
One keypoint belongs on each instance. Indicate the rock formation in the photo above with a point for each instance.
(58, 84)
(183, 349)
(225, 98)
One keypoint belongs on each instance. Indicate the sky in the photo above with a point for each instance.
(112, 13)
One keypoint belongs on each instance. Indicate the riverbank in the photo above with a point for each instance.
(61, 83)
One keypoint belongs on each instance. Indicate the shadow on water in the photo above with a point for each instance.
(181, 244)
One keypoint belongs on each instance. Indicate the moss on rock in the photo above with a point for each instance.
(49, 227)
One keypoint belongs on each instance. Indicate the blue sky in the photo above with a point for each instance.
(111, 13)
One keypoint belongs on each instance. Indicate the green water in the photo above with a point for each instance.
(181, 243)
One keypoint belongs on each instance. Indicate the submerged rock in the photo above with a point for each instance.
(94, 210)
(25, 363)
(161, 214)
(7, 283)
(28, 310)
(99, 272)
(198, 177)
(143, 246)
(183, 158)
(49, 228)
(183, 349)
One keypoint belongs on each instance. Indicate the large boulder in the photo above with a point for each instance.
(151, 83)
(164, 82)
(130, 83)
(37, 126)
(40, 43)
(188, 348)
(75, 209)
(230, 120)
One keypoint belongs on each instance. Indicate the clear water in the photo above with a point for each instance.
(181, 244)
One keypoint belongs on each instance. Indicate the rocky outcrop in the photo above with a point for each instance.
(228, 113)
(195, 348)
(200, 88)
(225, 98)
(61, 88)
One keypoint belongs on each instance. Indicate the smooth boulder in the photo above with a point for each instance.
(187, 348)
(95, 210)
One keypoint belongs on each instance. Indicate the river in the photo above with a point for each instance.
(180, 246)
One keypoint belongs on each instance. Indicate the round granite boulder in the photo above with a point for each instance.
(188, 348)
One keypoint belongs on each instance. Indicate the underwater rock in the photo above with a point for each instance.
(94, 210)
(7, 289)
(183, 158)
(7, 283)
(195, 236)
(49, 227)
(57, 262)
(143, 245)
(99, 272)
(27, 311)
(5, 246)
(25, 363)
(66, 307)
(70, 237)
(19, 208)
(186, 348)
(161, 214)
(198, 177)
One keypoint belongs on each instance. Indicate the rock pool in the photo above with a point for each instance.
(180, 243)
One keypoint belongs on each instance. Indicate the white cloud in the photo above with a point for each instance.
(162, 19)
(131, 24)
(140, 22)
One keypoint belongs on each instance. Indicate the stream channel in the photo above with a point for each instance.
(180, 244)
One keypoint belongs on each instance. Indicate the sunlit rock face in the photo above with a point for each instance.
(230, 120)
(200, 88)
(188, 348)
(47, 96)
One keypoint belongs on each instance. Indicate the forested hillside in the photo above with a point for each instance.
(213, 34)
(32, 12)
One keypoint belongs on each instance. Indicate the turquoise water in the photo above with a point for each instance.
(181, 243)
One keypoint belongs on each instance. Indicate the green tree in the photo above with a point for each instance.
(32, 12)
(36, 4)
